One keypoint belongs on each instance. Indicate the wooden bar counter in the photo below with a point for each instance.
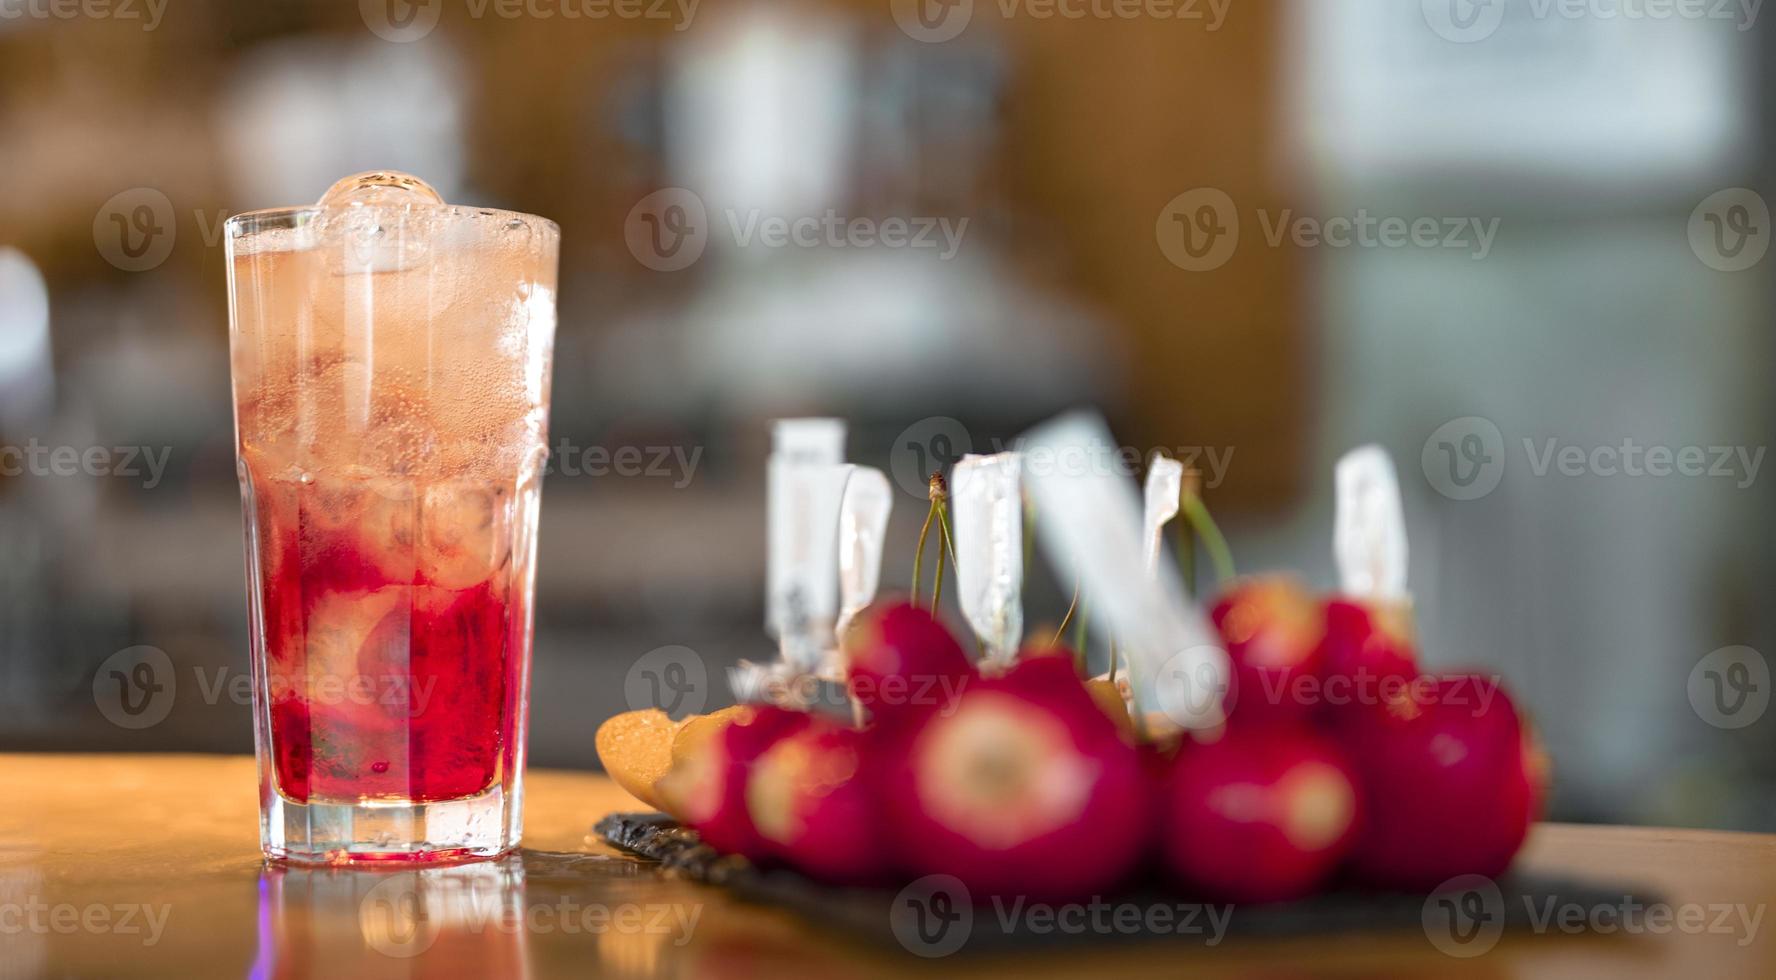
(149, 866)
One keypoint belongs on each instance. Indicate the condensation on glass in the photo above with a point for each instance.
(391, 362)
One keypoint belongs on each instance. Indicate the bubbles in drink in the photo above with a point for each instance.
(391, 389)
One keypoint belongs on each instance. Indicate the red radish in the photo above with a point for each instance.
(900, 661)
(1263, 815)
(1047, 671)
(708, 787)
(1022, 789)
(1272, 628)
(809, 800)
(1367, 649)
(1051, 669)
(1452, 779)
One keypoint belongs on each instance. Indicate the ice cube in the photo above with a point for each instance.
(389, 527)
(464, 532)
(354, 637)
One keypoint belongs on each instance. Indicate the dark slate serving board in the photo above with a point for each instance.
(872, 914)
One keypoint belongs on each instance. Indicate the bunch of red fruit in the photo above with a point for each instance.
(1029, 783)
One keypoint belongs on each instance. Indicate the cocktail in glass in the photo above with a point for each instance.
(391, 360)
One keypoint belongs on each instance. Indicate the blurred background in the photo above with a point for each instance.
(1519, 244)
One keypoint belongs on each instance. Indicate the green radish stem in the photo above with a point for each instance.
(1187, 538)
(1062, 629)
(1203, 526)
(919, 552)
(1079, 638)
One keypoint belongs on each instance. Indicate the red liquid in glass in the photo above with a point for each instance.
(393, 654)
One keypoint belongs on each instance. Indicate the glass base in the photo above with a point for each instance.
(389, 833)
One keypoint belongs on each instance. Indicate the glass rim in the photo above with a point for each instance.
(271, 219)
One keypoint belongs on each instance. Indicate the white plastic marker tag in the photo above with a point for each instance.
(805, 484)
(1369, 532)
(1090, 525)
(988, 509)
(863, 524)
(1165, 487)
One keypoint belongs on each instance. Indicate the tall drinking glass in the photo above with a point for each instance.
(391, 387)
